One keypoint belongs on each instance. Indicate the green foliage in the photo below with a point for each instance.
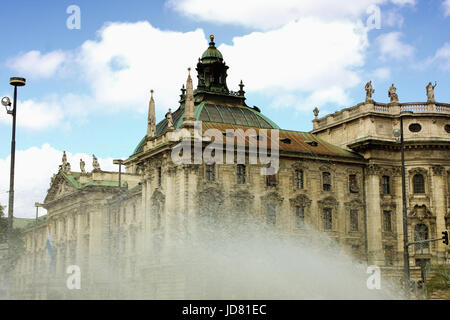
(17, 243)
(440, 280)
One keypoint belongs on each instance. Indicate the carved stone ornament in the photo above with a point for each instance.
(300, 200)
(373, 169)
(438, 170)
(421, 212)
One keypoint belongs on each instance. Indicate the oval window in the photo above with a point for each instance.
(447, 128)
(415, 127)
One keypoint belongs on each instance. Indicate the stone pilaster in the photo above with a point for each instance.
(374, 218)
(439, 206)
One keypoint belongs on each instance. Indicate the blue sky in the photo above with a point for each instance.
(88, 89)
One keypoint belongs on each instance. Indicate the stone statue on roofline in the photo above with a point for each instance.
(169, 119)
(82, 167)
(369, 91)
(392, 94)
(95, 164)
(65, 164)
(430, 91)
(316, 112)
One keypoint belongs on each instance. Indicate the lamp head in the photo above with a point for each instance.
(396, 133)
(7, 103)
(17, 81)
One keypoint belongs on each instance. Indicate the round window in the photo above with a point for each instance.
(415, 127)
(447, 128)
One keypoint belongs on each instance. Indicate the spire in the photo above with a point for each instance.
(151, 127)
(189, 104)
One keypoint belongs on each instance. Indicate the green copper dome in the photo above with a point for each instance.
(212, 51)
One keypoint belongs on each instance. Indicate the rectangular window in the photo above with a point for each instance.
(387, 222)
(134, 212)
(326, 181)
(385, 185)
(327, 219)
(124, 215)
(353, 183)
(240, 173)
(210, 173)
(299, 179)
(353, 220)
(271, 180)
(299, 216)
(271, 215)
(159, 176)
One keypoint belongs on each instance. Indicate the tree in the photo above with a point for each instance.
(440, 280)
(17, 244)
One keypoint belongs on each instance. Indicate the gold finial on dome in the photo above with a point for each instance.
(211, 37)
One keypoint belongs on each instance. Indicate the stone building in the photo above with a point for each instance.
(343, 178)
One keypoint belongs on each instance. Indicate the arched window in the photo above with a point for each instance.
(421, 233)
(419, 183)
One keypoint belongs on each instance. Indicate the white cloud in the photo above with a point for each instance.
(391, 46)
(36, 65)
(269, 14)
(129, 59)
(303, 57)
(446, 5)
(441, 58)
(391, 18)
(382, 73)
(404, 2)
(35, 115)
(33, 169)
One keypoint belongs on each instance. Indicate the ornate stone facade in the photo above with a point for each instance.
(343, 179)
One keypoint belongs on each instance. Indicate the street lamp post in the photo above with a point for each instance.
(405, 210)
(120, 163)
(37, 205)
(15, 82)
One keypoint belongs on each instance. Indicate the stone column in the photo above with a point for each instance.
(374, 240)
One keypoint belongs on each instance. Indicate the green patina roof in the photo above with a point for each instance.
(211, 52)
(72, 178)
(216, 112)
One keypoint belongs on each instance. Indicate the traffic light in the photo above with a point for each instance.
(445, 237)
